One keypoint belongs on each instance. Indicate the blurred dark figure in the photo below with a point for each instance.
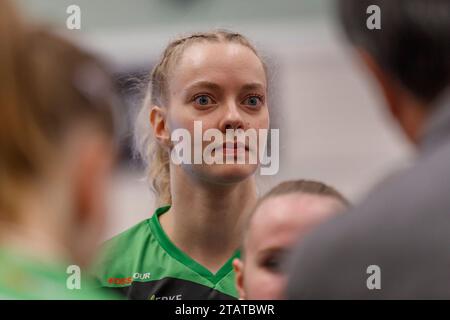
(403, 227)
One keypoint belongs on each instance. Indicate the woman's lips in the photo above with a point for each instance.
(232, 147)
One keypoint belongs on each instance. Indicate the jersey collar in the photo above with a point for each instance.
(182, 257)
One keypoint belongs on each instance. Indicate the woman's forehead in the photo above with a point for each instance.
(218, 62)
(295, 210)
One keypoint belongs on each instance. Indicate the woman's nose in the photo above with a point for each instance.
(234, 125)
(232, 119)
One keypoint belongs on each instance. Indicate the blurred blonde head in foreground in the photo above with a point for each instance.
(56, 147)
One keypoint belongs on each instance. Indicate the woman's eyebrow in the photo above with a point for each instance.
(215, 87)
(252, 86)
(204, 85)
(271, 250)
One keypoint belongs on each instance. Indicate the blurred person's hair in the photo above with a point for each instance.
(47, 87)
(155, 157)
(308, 187)
(305, 187)
(413, 44)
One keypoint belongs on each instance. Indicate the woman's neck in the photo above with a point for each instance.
(35, 230)
(32, 241)
(205, 221)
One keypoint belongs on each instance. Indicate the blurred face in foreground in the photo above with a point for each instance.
(275, 227)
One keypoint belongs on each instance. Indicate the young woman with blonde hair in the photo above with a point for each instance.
(185, 250)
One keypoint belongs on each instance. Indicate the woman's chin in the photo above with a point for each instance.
(228, 173)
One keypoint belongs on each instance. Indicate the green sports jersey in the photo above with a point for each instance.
(143, 263)
(26, 278)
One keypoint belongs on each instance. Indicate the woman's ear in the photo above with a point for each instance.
(238, 267)
(159, 125)
(91, 173)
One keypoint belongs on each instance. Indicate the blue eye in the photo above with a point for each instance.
(203, 100)
(253, 101)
